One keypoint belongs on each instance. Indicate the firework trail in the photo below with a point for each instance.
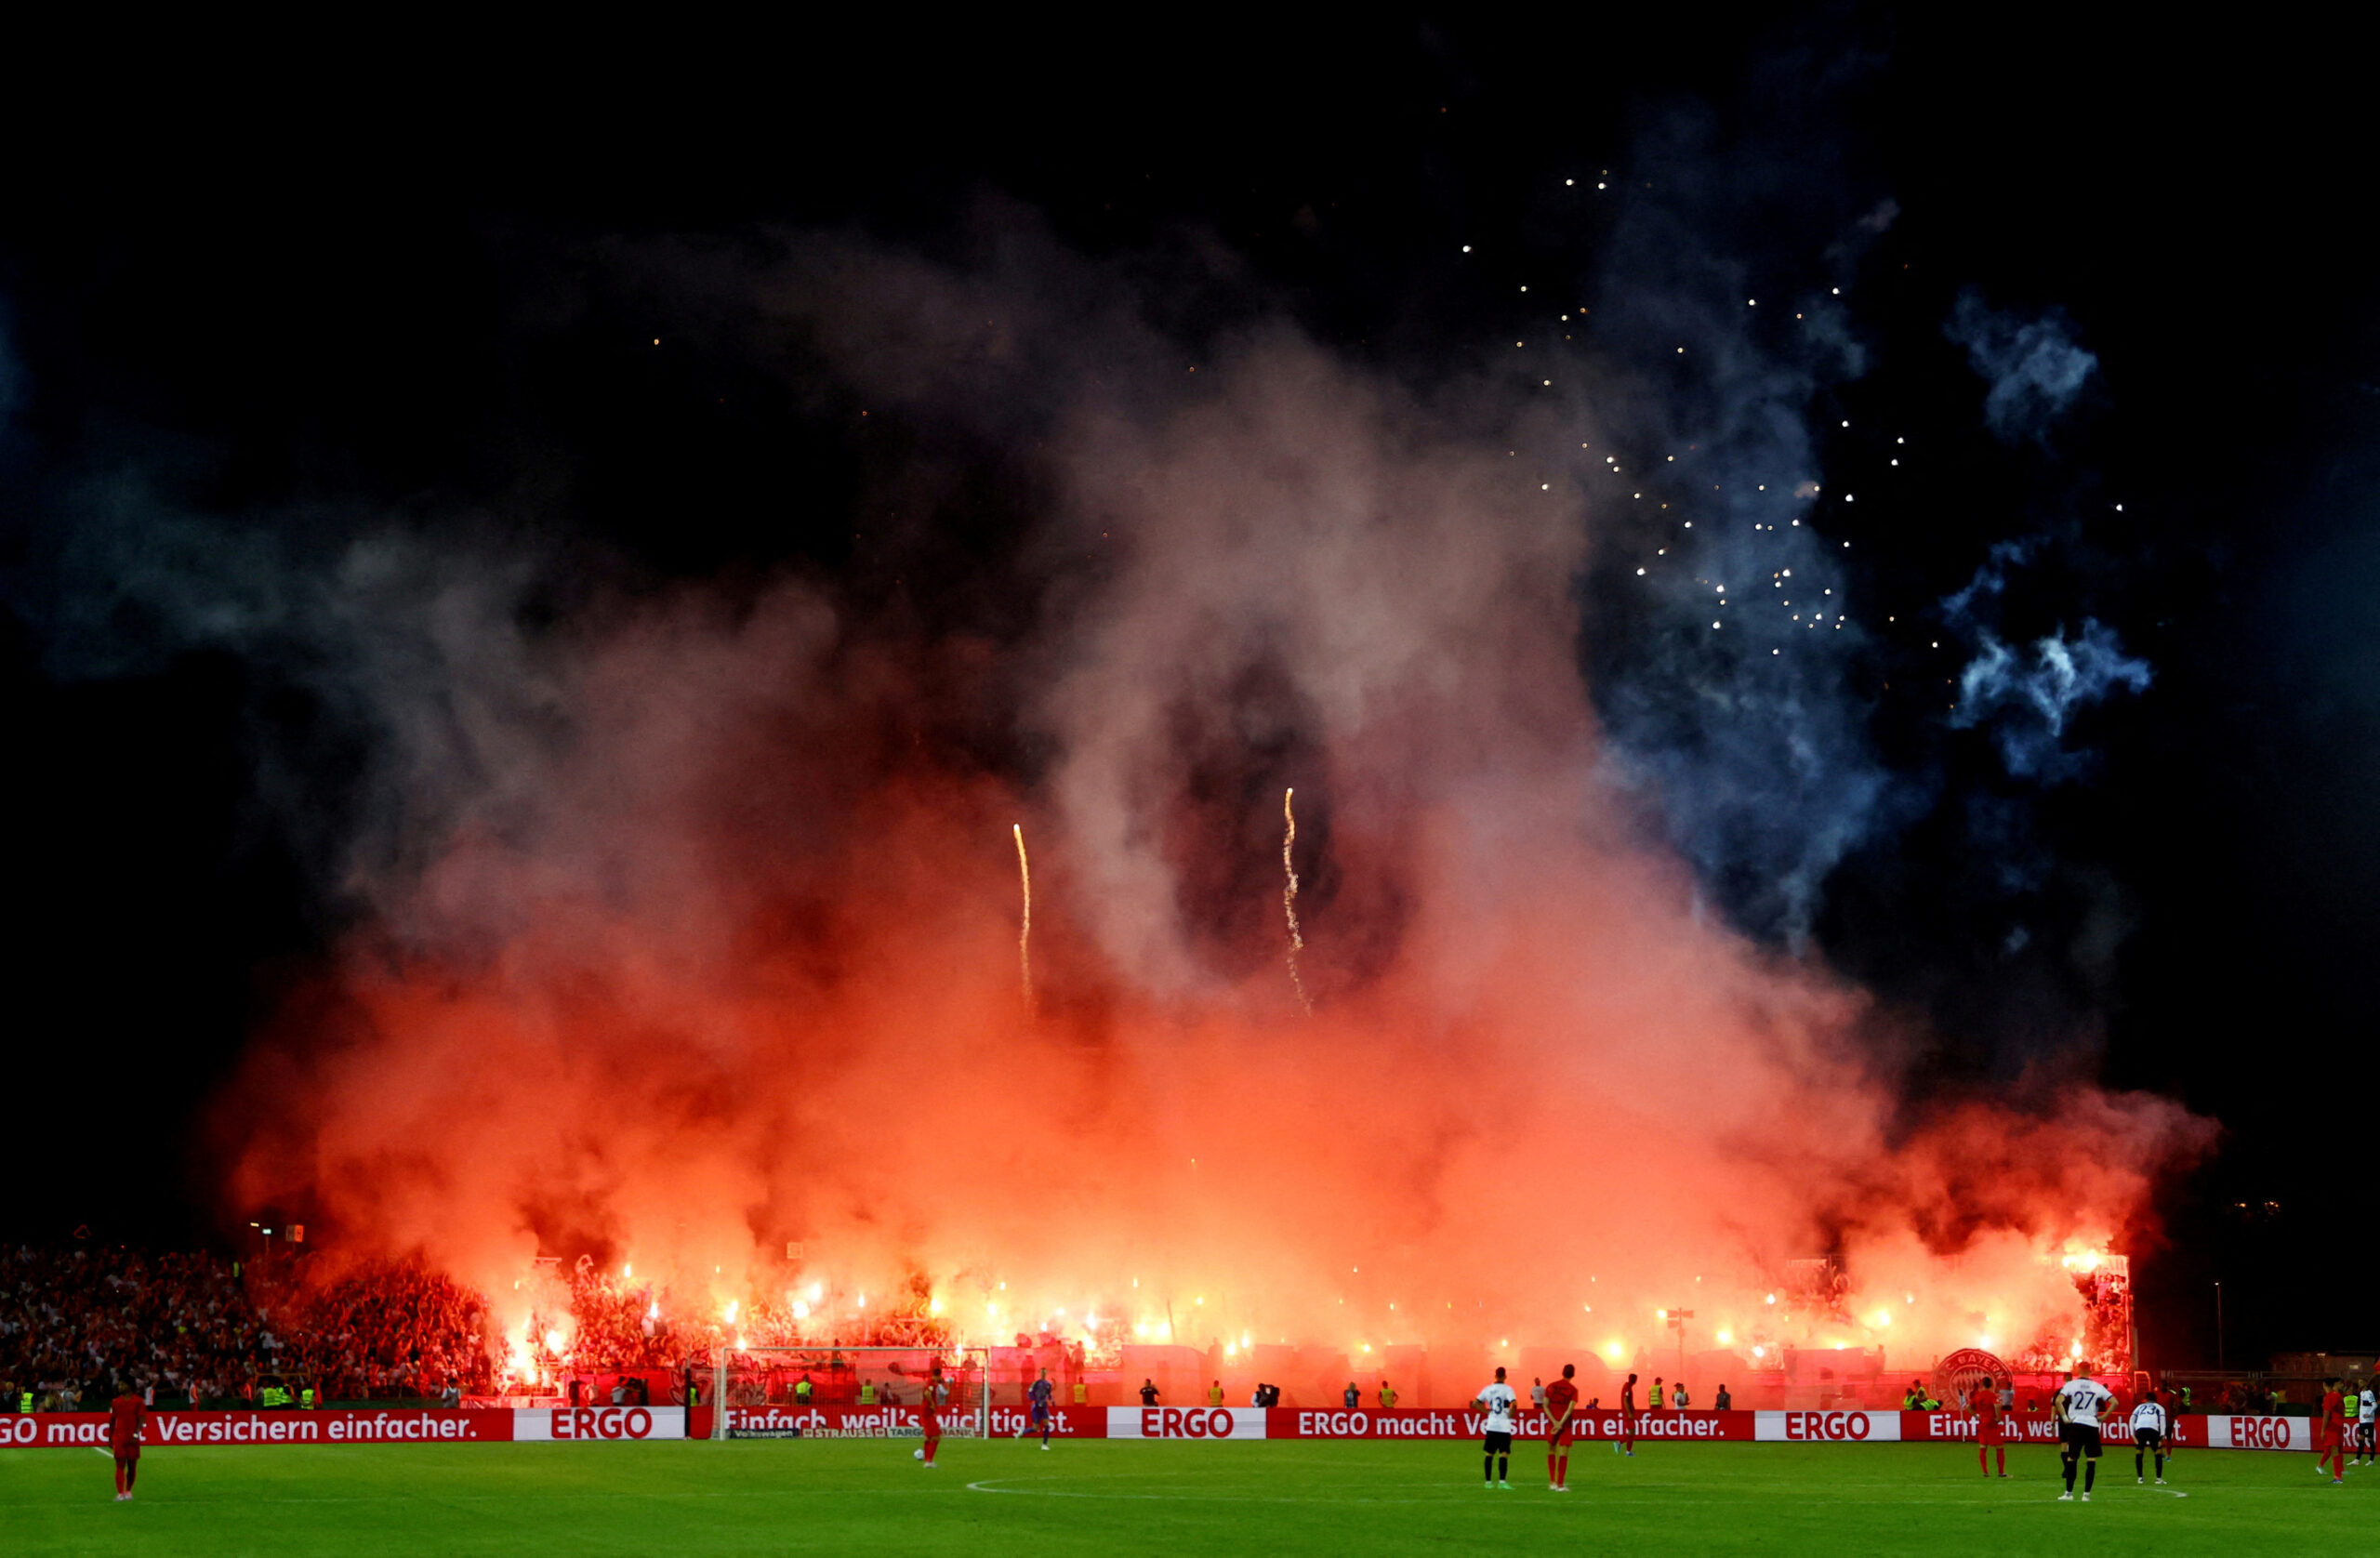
(1290, 895)
(1024, 933)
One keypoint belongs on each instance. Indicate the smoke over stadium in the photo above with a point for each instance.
(690, 939)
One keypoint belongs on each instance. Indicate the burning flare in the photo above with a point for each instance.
(1025, 933)
(1289, 897)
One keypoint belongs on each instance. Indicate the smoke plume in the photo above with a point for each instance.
(692, 926)
(2034, 368)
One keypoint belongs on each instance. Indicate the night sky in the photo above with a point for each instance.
(2100, 292)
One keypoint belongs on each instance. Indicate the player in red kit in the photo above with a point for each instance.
(1990, 1433)
(929, 1414)
(1625, 1442)
(2330, 1439)
(126, 1420)
(1560, 1413)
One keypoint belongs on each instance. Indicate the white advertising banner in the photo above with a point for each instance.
(1185, 1423)
(1827, 1427)
(617, 1424)
(2260, 1433)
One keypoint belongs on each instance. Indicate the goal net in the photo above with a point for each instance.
(785, 1392)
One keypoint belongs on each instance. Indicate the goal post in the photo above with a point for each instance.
(750, 1379)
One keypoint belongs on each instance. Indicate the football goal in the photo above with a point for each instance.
(782, 1393)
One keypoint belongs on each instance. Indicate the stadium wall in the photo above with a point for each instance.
(632, 1424)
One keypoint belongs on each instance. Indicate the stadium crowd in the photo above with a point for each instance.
(204, 1329)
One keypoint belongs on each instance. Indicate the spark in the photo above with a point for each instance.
(1024, 933)
(1289, 897)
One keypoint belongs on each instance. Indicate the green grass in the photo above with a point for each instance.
(685, 1500)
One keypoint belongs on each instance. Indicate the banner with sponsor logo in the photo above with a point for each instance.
(1409, 1422)
(68, 1429)
(578, 1424)
(2184, 1434)
(2258, 1433)
(892, 1422)
(1827, 1427)
(1187, 1422)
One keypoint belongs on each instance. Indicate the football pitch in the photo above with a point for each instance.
(870, 1496)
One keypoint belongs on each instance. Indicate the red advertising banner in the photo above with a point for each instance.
(67, 1430)
(1407, 1422)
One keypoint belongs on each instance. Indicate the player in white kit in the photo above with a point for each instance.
(2150, 1428)
(2079, 1402)
(1496, 1402)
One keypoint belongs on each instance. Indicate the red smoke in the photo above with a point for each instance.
(711, 946)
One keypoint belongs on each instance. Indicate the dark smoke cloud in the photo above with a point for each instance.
(2030, 698)
(1735, 710)
(2034, 368)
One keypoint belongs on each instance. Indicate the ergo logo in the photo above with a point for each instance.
(1175, 1422)
(1826, 1425)
(608, 1422)
(2260, 1433)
